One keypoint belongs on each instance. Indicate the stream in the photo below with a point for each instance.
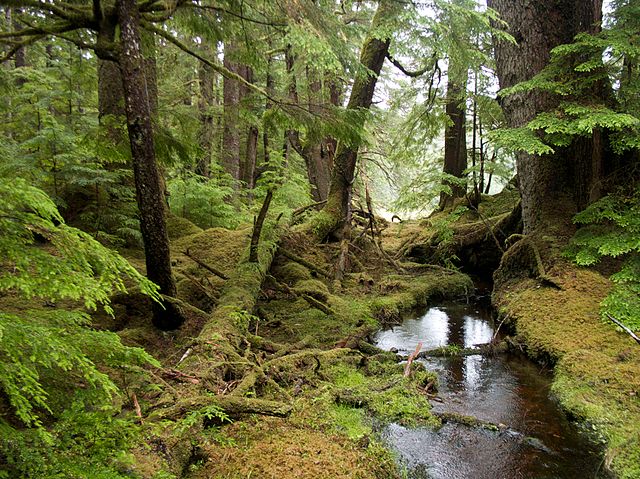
(538, 440)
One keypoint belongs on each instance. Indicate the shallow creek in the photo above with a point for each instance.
(537, 441)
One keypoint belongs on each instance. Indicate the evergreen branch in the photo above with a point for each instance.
(62, 10)
(18, 45)
(239, 15)
(214, 66)
(167, 12)
(62, 27)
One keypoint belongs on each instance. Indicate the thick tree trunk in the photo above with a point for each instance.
(231, 99)
(318, 157)
(553, 187)
(206, 135)
(336, 215)
(149, 190)
(455, 137)
(248, 166)
(251, 158)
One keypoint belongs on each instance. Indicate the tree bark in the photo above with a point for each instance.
(149, 190)
(231, 100)
(455, 136)
(336, 214)
(553, 187)
(318, 155)
(206, 135)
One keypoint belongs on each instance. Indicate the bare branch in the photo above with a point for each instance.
(412, 74)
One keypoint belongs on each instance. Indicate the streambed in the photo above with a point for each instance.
(537, 440)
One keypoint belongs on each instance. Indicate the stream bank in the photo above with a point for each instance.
(498, 417)
(596, 368)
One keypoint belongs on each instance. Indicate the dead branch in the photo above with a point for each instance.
(257, 227)
(209, 268)
(412, 356)
(626, 329)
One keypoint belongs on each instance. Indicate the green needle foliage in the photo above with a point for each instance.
(57, 393)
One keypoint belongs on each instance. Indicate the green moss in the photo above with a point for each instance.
(292, 272)
(350, 421)
(597, 370)
(314, 288)
(418, 291)
(178, 227)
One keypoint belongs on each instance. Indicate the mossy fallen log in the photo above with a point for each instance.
(488, 349)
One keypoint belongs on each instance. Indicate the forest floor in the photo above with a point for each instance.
(316, 329)
(313, 330)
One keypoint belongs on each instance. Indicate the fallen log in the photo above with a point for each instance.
(488, 349)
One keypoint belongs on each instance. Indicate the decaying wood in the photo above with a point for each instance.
(257, 227)
(488, 349)
(136, 405)
(313, 302)
(209, 268)
(198, 285)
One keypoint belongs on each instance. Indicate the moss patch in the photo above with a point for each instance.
(277, 448)
(597, 374)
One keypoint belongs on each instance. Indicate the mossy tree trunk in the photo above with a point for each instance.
(553, 187)
(149, 187)
(336, 214)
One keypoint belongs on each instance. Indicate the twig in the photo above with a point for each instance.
(626, 329)
(302, 209)
(412, 356)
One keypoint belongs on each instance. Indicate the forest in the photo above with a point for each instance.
(319, 238)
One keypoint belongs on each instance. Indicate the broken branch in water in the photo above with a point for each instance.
(412, 356)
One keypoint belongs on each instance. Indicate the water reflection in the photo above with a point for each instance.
(503, 390)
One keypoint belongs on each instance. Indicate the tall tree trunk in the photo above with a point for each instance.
(553, 187)
(318, 156)
(336, 214)
(231, 133)
(149, 190)
(455, 136)
(206, 135)
(111, 112)
(250, 157)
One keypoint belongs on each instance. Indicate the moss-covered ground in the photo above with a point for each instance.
(312, 330)
(597, 369)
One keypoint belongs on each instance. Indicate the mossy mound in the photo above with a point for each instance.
(178, 227)
(314, 288)
(290, 273)
(278, 448)
(597, 369)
